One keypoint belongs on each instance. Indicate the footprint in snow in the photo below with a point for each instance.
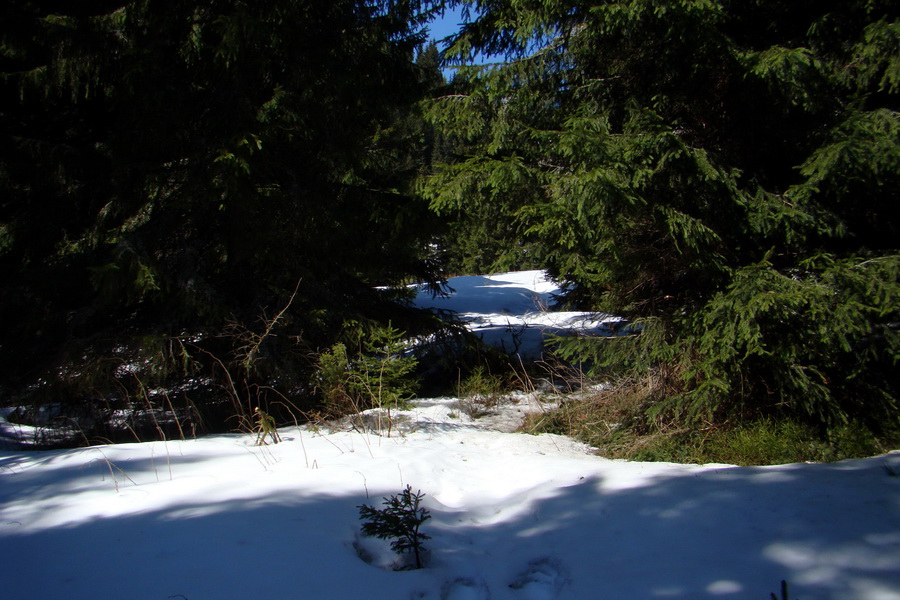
(465, 589)
(542, 580)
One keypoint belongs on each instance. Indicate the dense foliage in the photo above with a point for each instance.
(200, 200)
(378, 374)
(196, 195)
(725, 173)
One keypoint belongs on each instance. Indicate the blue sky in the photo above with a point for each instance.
(446, 25)
(449, 24)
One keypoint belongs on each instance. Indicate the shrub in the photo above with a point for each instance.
(333, 379)
(479, 392)
(378, 375)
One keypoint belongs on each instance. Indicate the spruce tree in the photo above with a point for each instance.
(722, 173)
(196, 195)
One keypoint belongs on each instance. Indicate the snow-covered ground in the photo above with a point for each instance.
(514, 311)
(513, 516)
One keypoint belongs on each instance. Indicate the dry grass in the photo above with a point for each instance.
(611, 417)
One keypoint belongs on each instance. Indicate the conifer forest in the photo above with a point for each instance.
(208, 206)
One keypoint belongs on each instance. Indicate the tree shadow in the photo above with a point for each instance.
(832, 531)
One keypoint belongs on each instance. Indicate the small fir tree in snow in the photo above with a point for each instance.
(784, 592)
(400, 521)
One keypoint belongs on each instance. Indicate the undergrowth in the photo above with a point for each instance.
(480, 392)
(378, 374)
(614, 420)
(764, 442)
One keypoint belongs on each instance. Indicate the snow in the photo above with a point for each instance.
(514, 311)
(513, 516)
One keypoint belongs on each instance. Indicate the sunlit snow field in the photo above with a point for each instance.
(513, 516)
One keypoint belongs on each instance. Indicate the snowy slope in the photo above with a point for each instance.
(513, 517)
(514, 311)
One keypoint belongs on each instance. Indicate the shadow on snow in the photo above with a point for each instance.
(714, 533)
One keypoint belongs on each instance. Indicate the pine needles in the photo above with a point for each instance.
(399, 521)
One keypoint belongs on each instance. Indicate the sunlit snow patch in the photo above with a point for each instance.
(515, 311)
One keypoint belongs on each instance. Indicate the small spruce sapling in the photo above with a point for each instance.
(400, 521)
(784, 592)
